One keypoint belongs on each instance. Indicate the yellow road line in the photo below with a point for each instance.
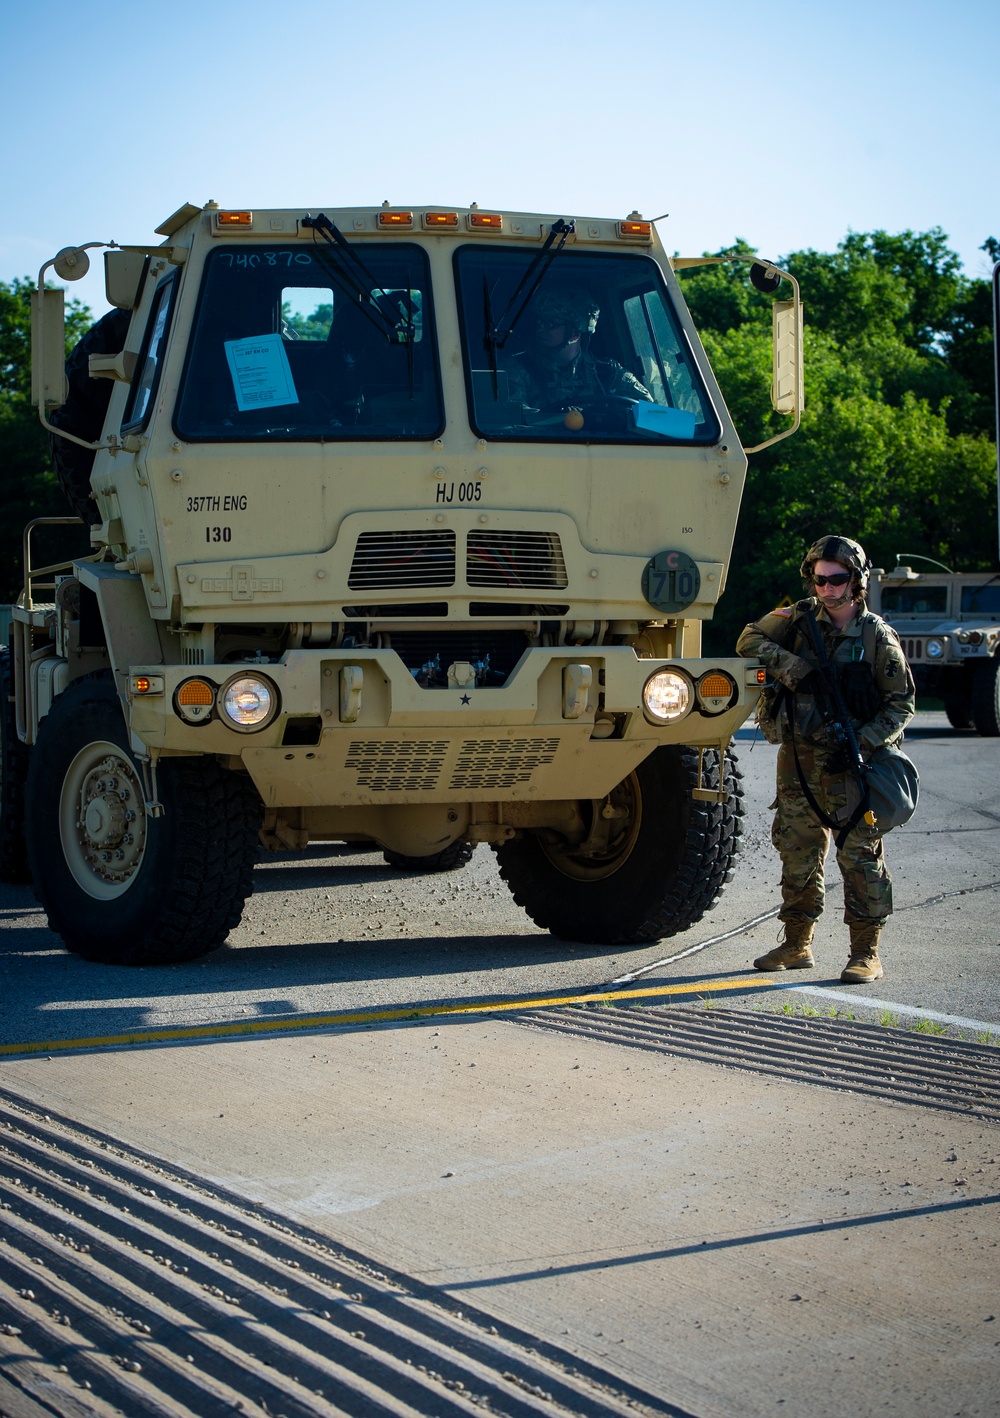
(373, 1016)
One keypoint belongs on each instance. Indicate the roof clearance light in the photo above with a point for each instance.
(478, 220)
(234, 219)
(667, 696)
(395, 219)
(248, 702)
(642, 230)
(432, 219)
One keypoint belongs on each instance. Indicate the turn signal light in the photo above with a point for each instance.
(196, 691)
(715, 685)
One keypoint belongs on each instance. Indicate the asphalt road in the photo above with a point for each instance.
(216, 1193)
(334, 929)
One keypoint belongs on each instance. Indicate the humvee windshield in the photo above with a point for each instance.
(982, 600)
(915, 600)
(595, 355)
(280, 350)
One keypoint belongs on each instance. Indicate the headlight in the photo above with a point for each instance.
(248, 702)
(934, 649)
(667, 696)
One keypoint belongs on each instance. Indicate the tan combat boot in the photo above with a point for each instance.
(793, 953)
(864, 965)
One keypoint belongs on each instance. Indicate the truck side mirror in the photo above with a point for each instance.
(49, 388)
(123, 272)
(787, 391)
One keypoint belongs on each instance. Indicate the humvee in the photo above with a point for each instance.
(949, 627)
(365, 567)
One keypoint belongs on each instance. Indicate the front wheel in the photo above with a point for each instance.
(120, 886)
(986, 697)
(659, 866)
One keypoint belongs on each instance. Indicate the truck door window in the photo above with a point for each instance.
(147, 376)
(598, 355)
(281, 350)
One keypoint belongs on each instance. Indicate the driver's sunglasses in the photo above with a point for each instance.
(839, 578)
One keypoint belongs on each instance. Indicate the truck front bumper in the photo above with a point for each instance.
(353, 727)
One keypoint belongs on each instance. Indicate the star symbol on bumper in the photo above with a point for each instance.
(465, 699)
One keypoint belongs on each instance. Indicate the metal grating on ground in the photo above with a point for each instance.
(845, 1054)
(130, 1287)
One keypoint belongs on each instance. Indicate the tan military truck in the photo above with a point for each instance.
(403, 527)
(949, 625)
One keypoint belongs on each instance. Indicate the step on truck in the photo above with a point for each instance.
(404, 524)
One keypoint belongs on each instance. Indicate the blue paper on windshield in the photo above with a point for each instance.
(262, 376)
(657, 418)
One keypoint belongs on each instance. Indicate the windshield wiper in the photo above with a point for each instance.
(497, 334)
(352, 275)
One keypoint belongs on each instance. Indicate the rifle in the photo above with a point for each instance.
(838, 721)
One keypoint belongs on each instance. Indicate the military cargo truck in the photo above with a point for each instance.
(404, 524)
(949, 626)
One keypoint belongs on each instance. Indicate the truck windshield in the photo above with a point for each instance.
(281, 351)
(598, 356)
(915, 600)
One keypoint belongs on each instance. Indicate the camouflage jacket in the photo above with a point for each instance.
(781, 642)
(539, 385)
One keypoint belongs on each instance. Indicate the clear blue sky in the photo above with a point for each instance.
(788, 125)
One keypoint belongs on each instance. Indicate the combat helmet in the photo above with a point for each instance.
(567, 305)
(849, 553)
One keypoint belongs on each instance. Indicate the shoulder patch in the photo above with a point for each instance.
(782, 610)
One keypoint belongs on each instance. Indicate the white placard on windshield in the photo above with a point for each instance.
(262, 377)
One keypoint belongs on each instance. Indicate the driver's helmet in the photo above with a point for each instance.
(567, 305)
(850, 555)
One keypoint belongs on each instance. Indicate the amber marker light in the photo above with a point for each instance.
(395, 219)
(479, 220)
(632, 229)
(433, 219)
(141, 684)
(234, 219)
(194, 701)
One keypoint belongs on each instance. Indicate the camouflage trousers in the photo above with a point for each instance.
(803, 842)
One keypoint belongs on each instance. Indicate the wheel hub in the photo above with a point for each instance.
(109, 822)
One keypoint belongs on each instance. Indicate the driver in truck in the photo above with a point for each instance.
(556, 372)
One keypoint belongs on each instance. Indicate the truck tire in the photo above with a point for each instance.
(959, 712)
(13, 775)
(986, 697)
(452, 858)
(119, 886)
(672, 856)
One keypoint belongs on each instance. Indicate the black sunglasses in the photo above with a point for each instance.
(840, 578)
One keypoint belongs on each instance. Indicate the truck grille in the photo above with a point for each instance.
(500, 763)
(515, 559)
(913, 649)
(503, 559)
(403, 559)
(395, 766)
(404, 766)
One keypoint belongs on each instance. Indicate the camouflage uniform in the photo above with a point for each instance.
(802, 840)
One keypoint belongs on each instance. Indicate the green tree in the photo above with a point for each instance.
(28, 487)
(895, 443)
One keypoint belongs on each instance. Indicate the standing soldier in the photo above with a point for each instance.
(813, 770)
